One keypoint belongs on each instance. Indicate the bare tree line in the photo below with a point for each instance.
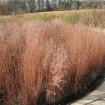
(24, 6)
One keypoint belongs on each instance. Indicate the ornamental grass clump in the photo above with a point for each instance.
(43, 63)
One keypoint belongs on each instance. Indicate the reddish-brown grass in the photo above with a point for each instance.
(47, 61)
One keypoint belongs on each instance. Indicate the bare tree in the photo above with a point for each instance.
(32, 5)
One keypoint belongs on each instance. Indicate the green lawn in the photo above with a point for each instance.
(88, 17)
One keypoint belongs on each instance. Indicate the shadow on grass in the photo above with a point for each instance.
(92, 87)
